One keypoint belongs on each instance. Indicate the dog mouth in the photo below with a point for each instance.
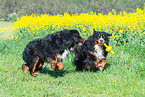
(100, 44)
(80, 41)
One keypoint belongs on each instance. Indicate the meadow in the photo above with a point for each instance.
(123, 76)
(5, 32)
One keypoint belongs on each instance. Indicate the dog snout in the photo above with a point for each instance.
(81, 40)
(101, 40)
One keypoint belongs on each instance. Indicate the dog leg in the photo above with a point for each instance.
(39, 65)
(79, 67)
(53, 62)
(34, 66)
(92, 53)
(96, 63)
(33, 69)
(56, 64)
(25, 68)
(59, 66)
(102, 64)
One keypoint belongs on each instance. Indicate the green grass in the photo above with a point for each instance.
(5, 31)
(123, 76)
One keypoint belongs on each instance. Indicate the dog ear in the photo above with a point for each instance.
(65, 34)
(74, 31)
(93, 29)
(61, 33)
(109, 34)
(95, 32)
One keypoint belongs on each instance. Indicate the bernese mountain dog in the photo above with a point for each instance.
(92, 52)
(53, 48)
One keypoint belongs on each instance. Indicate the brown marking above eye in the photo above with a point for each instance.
(104, 36)
(98, 36)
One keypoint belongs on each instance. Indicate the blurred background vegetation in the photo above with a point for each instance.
(10, 9)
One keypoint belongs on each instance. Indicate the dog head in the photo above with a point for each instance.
(101, 37)
(76, 37)
(71, 37)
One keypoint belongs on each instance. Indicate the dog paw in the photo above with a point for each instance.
(34, 74)
(25, 68)
(100, 67)
(53, 66)
(59, 66)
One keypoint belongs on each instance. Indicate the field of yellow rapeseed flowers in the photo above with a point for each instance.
(123, 25)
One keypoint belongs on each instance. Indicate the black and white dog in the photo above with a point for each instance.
(52, 48)
(92, 52)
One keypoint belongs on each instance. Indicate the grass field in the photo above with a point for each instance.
(124, 75)
(5, 30)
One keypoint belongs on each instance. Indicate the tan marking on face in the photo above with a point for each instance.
(81, 40)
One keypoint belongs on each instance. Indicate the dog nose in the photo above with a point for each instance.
(101, 40)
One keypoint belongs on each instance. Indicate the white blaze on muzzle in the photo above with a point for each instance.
(101, 40)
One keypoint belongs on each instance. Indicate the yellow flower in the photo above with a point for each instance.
(112, 10)
(113, 37)
(111, 23)
(84, 29)
(15, 38)
(120, 31)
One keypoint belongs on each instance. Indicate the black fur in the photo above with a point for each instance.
(84, 60)
(46, 49)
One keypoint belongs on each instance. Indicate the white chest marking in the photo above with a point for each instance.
(63, 56)
(98, 52)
